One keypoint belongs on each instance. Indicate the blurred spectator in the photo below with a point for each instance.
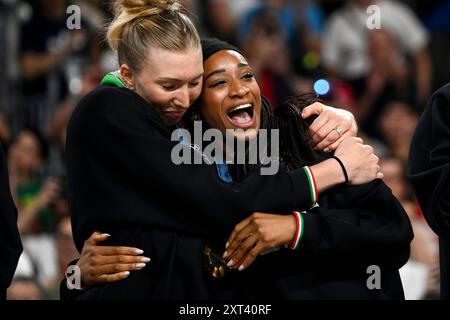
(46, 46)
(33, 197)
(91, 78)
(67, 251)
(222, 17)
(388, 78)
(4, 130)
(397, 124)
(420, 276)
(266, 41)
(95, 15)
(345, 45)
(300, 24)
(25, 288)
(26, 158)
(395, 178)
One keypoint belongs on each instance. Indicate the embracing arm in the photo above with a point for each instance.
(366, 222)
(119, 166)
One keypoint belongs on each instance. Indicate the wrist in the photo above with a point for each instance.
(83, 284)
(343, 168)
(328, 174)
(75, 272)
(314, 194)
(298, 231)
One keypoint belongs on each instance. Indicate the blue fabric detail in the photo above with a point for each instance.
(181, 137)
(222, 172)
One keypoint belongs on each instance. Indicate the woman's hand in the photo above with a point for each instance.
(102, 264)
(255, 235)
(331, 127)
(359, 160)
(49, 193)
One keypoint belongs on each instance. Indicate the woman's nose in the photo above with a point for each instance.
(239, 90)
(182, 99)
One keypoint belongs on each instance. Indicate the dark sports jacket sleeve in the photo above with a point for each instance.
(120, 172)
(429, 174)
(10, 244)
(429, 162)
(358, 223)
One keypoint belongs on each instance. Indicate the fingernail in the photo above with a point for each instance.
(226, 245)
(106, 234)
(140, 265)
(241, 267)
(225, 254)
(126, 273)
(326, 150)
(230, 263)
(144, 259)
(139, 251)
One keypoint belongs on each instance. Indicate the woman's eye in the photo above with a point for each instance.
(168, 87)
(217, 83)
(249, 76)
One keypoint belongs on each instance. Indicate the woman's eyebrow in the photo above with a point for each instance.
(239, 65)
(176, 79)
(214, 72)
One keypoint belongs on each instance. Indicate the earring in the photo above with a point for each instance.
(131, 87)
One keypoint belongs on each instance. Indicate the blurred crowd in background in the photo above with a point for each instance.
(384, 76)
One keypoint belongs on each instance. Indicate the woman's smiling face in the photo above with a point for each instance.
(231, 98)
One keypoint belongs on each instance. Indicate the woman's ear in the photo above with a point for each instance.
(127, 77)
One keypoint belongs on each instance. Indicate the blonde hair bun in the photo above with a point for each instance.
(127, 11)
(149, 7)
(140, 24)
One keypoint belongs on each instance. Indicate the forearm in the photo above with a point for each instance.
(369, 225)
(327, 174)
(34, 64)
(341, 235)
(27, 216)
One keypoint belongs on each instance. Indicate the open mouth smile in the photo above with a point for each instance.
(242, 116)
